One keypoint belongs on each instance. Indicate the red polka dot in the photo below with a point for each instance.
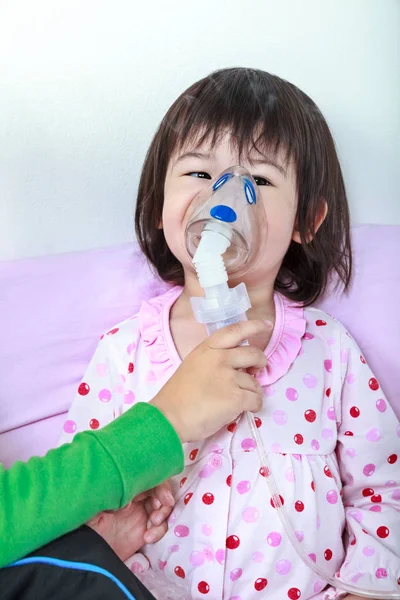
(368, 492)
(382, 532)
(131, 367)
(299, 506)
(94, 424)
(298, 438)
(328, 392)
(353, 541)
(83, 389)
(327, 471)
(294, 594)
(260, 584)
(208, 498)
(203, 587)
(376, 498)
(229, 480)
(348, 433)
(355, 412)
(179, 572)
(363, 359)
(392, 459)
(182, 483)
(258, 421)
(232, 426)
(310, 415)
(232, 542)
(193, 454)
(313, 486)
(272, 501)
(373, 384)
(320, 323)
(264, 471)
(328, 554)
(113, 331)
(187, 497)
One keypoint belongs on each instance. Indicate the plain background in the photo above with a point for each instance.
(84, 84)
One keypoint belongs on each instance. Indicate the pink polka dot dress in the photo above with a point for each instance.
(333, 443)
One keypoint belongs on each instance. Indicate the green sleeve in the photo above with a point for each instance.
(48, 496)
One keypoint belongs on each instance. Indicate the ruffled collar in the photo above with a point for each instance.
(282, 349)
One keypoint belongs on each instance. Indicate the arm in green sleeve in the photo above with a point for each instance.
(49, 496)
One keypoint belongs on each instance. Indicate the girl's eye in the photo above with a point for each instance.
(199, 174)
(261, 180)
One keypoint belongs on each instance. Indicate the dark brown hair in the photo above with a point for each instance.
(261, 111)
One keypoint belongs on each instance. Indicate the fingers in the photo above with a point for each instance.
(234, 335)
(248, 383)
(251, 397)
(164, 494)
(154, 534)
(246, 357)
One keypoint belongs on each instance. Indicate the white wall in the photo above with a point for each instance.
(83, 85)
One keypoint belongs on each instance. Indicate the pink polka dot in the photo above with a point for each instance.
(327, 434)
(308, 336)
(208, 553)
(356, 515)
(280, 417)
(356, 577)
(257, 557)
(283, 566)
(130, 348)
(374, 435)
(289, 475)
(299, 535)
(381, 405)
(297, 457)
(196, 558)
(270, 391)
(250, 514)
(319, 586)
(375, 508)
(137, 568)
(315, 444)
(274, 539)
(102, 369)
(243, 487)
(368, 551)
(206, 529)
(396, 494)
(129, 397)
(369, 470)
(310, 381)
(350, 378)
(70, 426)
(220, 556)
(235, 574)
(173, 548)
(332, 496)
(181, 531)
(328, 366)
(331, 413)
(215, 462)
(150, 377)
(206, 471)
(292, 394)
(381, 573)
(172, 518)
(331, 341)
(275, 447)
(313, 557)
(390, 483)
(248, 444)
(351, 452)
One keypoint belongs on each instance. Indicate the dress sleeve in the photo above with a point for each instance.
(369, 461)
(96, 401)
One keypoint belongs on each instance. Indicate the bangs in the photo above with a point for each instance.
(255, 110)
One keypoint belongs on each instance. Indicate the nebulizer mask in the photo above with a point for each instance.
(226, 228)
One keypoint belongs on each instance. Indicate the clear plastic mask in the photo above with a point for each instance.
(232, 199)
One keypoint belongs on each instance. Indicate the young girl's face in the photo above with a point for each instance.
(194, 166)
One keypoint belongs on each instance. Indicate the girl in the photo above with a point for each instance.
(332, 438)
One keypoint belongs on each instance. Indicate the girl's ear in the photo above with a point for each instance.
(319, 219)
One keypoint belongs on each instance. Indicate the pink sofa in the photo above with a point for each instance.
(54, 309)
